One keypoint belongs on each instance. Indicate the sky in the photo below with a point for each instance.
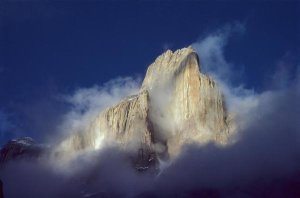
(53, 48)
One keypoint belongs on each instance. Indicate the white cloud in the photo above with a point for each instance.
(242, 103)
(86, 103)
(211, 51)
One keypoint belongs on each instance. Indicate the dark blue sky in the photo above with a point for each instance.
(48, 48)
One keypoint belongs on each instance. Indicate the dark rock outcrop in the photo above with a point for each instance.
(24, 147)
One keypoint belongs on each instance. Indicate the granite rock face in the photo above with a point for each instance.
(176, 105)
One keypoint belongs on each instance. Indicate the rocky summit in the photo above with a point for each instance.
(177, 104)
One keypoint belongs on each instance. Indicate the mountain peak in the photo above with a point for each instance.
(177, 55)
(168, 65)
(176, 105)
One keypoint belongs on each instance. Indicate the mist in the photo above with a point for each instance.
(262, 160)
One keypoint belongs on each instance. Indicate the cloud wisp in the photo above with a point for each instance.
(86, 103)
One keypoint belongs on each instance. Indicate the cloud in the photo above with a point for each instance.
(286, 71)
(211, 51)
(266, 155)
(86, 103)
(48, 177)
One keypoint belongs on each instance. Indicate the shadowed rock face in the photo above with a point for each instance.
(176, 105)
(24, 147)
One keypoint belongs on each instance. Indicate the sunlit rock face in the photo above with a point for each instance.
(176, 105)
(126, 124)
(185, 105)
